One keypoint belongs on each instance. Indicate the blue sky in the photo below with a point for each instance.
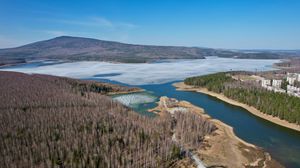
(233, 24)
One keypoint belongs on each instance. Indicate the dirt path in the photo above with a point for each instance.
(195, 158)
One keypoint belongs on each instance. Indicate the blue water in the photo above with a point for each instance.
(142, 108)
(282, 143)
(34, 64)
(107, 75)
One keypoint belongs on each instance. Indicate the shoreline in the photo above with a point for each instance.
(251, 109)
(136, 90)
(199, 111)
(223, 146)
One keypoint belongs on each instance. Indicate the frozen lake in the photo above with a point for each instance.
(145, 73)
(155, 78)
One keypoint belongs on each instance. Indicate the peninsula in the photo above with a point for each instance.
(243, 91)
(220, 148)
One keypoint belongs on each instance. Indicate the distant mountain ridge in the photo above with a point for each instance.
(87, 49)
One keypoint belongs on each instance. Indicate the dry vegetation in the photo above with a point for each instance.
(51, 121)
(290, 65)
(191, 129)
(22, 91)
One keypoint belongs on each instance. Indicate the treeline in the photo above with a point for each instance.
(214, 82)
(47, 122)
(21, 90)
(276, 104)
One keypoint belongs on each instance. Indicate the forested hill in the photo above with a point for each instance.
(276, 104)
(87, 49)
(49, 121)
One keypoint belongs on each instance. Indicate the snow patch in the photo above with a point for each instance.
(131, 100)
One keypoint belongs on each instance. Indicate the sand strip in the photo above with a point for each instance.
(276, 120)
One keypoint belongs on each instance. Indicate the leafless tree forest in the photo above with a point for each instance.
(49, 121)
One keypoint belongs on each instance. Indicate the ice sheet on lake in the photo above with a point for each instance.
(148, 73)
(134, 99)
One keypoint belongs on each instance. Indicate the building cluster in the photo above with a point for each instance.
(272, 85)
(275, 84)
(293, 89)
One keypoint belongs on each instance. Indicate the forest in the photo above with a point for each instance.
(49, 121)
(276, 104)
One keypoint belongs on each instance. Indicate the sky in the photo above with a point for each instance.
(229, 24)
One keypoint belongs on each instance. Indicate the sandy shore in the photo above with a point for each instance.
(276, 120)
(222, 148)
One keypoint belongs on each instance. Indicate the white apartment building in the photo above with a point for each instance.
(291, 80)
(276, 83)
(292, 89)
(292, 77)
(265, 83)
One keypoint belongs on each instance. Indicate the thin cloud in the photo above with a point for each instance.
(98, 22)
(128, 25)
(55, 32)
(102, 22)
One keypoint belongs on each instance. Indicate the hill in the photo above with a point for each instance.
(49, 121)
(87, 49)
(77, 49)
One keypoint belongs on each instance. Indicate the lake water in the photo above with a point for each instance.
(144, 73)
(282, 143)
(157, 79)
